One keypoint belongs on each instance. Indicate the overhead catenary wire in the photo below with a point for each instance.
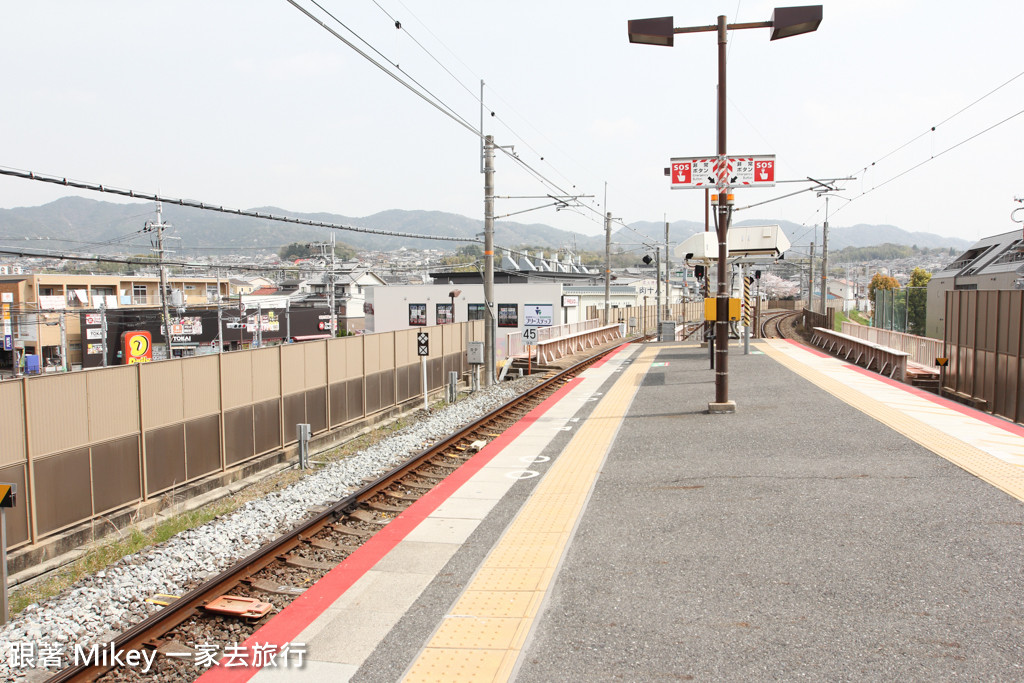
(931, 158)
(96, 187)
(426, 95)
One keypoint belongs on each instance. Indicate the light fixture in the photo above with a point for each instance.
(792, 21)
(656, 31)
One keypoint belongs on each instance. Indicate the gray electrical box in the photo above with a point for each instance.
(475, 353)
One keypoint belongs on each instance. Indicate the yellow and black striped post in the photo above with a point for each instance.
(747, 281)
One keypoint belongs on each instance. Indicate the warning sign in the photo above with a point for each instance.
(725, 172)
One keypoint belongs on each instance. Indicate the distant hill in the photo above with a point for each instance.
(81, 224)
(860, 235)
(86, 225)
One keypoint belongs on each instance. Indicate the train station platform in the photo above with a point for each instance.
(837, 526)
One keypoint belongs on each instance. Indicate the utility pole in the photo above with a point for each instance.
(490, 331)
(607, 268)
(668, 276)
(220, 319)
(810, 282)
(330, 293)
(824, 262)
(103, 330)
(63, 342)
(657, 295)
(159, 227)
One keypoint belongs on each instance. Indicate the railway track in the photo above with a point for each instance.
(772, 326)
(190, 627)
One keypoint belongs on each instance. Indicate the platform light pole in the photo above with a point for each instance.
(785, 22)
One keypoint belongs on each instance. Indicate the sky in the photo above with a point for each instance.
(255, 104)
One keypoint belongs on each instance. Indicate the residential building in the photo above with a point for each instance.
(45, 307)
(995, 262)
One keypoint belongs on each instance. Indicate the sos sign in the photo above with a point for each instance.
(682, 173)
(138, 347)
(764, 171)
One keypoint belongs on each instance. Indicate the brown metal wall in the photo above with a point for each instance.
(983, 343)
(82, 444)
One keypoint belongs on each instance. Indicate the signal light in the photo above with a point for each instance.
(757, 274)
(698, 272)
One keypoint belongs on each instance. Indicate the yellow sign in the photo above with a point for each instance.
(942, 362)
(711, 309)
(7, 496)
(138, 347)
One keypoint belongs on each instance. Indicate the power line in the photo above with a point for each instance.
(931, 158)
(944, 121)
(440, 106)
(56, 180)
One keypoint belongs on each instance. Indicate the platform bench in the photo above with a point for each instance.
(881, 359)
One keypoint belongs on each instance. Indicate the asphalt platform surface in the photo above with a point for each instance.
(797, 539)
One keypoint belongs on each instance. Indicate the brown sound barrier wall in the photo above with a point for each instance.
(79, 445)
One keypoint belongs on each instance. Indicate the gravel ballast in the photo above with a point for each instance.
(99, 606)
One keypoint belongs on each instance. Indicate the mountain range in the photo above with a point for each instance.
(82, 225)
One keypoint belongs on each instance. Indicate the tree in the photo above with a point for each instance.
(308, 250)
(777, 288)
(879, 281)
(917, 301)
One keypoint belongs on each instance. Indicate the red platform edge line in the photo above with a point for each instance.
(608, 356)
(987, 418)
(287, 624)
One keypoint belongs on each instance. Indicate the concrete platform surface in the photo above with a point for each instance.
(837, 526)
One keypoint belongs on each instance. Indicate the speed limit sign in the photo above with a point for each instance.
(530, 335)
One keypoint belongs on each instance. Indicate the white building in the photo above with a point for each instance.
(403, 307)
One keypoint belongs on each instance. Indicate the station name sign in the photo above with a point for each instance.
(719, 173)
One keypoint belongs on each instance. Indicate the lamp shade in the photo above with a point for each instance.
(651, 31)
(792, 21)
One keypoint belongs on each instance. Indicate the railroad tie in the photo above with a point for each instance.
(302, 562)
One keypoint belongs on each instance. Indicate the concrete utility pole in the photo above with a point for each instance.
(103, 330)
(668, 276)
(490, 330)
(824, 262)
(657, 295)
(607, 268)
(63, 342)
(220, 319)
(330, 293)
(159, 227)
(810, 282)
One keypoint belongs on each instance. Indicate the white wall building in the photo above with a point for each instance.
(403, 307)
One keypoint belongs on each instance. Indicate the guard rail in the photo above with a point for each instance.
(862, 352)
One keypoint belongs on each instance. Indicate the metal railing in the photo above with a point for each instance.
(862, 352)
(553, 349)
(516, 348)
(922, 350)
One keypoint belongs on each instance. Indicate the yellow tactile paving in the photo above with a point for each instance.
(992, 454)
(496, 612)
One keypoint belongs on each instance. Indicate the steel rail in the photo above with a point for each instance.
(159, 623)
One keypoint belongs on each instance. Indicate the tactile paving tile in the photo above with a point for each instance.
(445, 665)
(520, 568)
(999, 473)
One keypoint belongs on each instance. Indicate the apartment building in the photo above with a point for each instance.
(41, 311)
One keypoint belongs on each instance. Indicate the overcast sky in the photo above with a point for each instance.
(252, 103)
